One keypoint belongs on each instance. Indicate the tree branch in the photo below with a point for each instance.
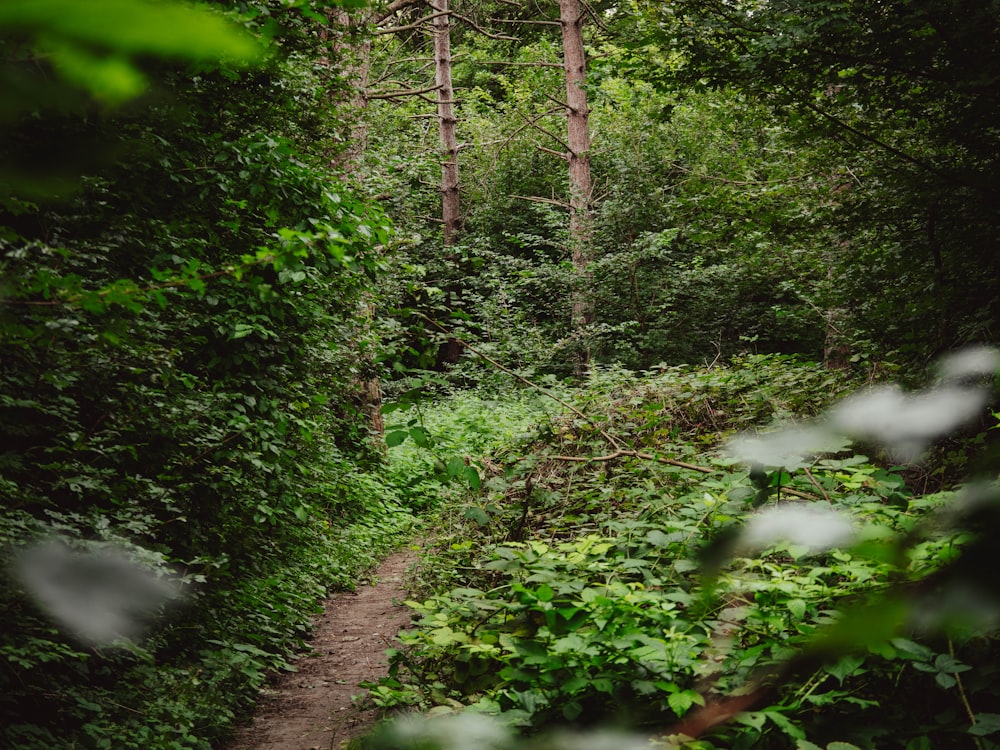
(533, 123)
(410, 26)
(484, 32)
(402, 92)
(395, 7)
(561, 154)
(515, 20)
(520, 64)
(635, 454)
(930, 168)
(536, 199)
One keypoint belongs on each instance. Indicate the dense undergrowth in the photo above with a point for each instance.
(570, 587)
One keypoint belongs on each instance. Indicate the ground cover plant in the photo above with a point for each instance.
(573, 591)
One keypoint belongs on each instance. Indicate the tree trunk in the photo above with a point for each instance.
(578, 140)
(450, 207)
(356, 65)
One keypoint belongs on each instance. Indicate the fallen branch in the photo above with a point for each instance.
(620, 453)
(636, 454)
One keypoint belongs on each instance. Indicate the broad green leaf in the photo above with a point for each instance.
(109, 78)
(478, 515)
(472, 477)
(986, 724)
(169, 29)
(544, 593)
(456, 466)
(948, 663)
(786, 725)
(395, 438)
(797, 607)
(753, 719)
(845, 666)
(680, 702)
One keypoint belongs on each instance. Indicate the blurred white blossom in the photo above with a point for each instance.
(101, 595)
(791, 448)
(972, 362)
(907, 423)
(467, 731)
(453, 731)
(815, 526)
(904, 423)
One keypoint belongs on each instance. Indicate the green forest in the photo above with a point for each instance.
(665, 330)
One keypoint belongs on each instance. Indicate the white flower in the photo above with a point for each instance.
(815, 526)
(907, 423)
(99, 595)
(971, 362)
(791, 448)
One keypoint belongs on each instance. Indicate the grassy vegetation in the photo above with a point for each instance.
(595, 576)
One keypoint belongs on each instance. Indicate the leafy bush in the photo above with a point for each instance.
(583, 595)
(179, 353)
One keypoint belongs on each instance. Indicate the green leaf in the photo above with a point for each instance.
(472, 477)
(478, 515)
(111, 79)
(169, 29)
(753, 719)
(945, 680)
(393, 439)
(948, 663)
(797, 607)
(456, 466)
(986, 724)
(544, 593)
(680, 702)
(845, 666)
(786, 725)
(911, 650)
(241, 330)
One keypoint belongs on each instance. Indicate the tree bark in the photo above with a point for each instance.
(450, 206)
(357, 57)
(578, 139)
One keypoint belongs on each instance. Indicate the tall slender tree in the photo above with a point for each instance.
(447, 123)
(571, 17)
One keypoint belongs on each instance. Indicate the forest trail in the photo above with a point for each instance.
(312, 709)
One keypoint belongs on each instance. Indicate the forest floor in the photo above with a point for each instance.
(315, 708)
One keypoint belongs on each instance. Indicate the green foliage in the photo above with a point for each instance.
(565, 635)
(891, 100)
(574, 592)
(181, 349)
(443, 435)
(96, 46)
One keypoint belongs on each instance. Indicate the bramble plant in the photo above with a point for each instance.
(624, 603)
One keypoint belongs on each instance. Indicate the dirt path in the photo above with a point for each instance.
(312, 709)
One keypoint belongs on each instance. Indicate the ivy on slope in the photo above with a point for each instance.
(574, 593)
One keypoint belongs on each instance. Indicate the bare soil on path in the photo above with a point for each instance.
(314, 708)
